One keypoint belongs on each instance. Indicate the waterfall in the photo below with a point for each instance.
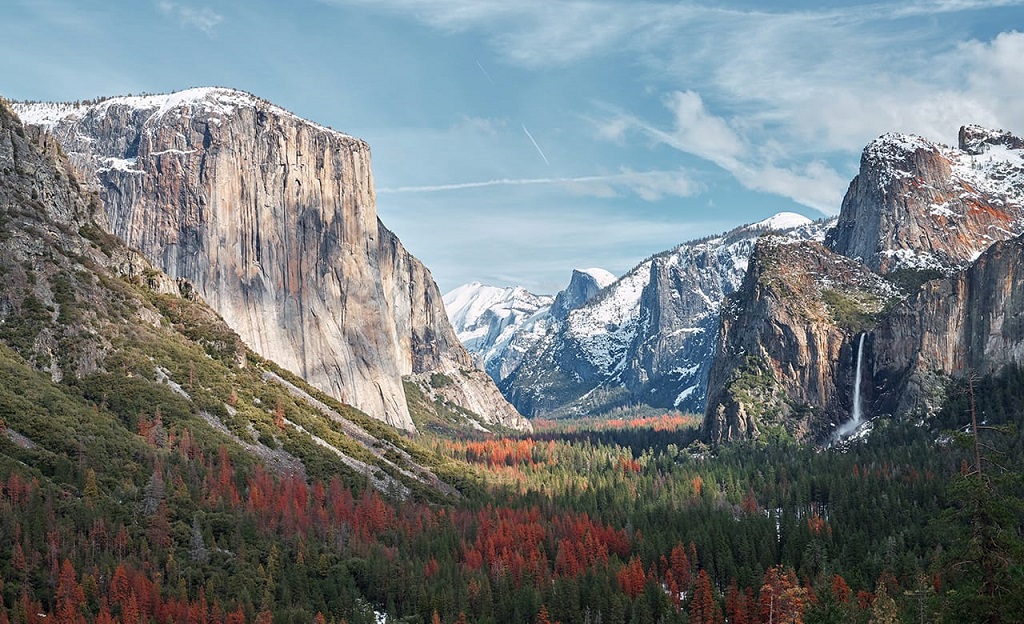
(857, 415)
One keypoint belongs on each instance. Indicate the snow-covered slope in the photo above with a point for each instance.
(492, 321)
(499, 325)
(647, 338)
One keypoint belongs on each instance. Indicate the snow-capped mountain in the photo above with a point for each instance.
(919, 283)
(489, 319)
(583, 286)
(918, 204)
(499, 325)
(646, 338)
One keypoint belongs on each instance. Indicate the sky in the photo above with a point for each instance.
(515, 141)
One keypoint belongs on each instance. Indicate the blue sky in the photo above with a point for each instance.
(514, 141)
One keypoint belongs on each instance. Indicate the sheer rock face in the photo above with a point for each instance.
(970, 322)
(273, 219)
(583, 286)
(60, 307)
(786, 344)
(786, 350)
(918, 204)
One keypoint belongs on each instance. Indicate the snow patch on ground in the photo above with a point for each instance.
(126, 165)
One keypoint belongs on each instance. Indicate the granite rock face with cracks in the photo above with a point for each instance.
(917, 204)
(273, 219)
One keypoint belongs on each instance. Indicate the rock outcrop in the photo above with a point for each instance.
(917, 204)
(273, 219)
(583, 286)
(785, 353)
(916, 212)
(970, 322)
(125, 349)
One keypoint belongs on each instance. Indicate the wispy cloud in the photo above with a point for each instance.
(696, 131)
(647, 185)
(779, 98)
(540, 32)
(204, 19)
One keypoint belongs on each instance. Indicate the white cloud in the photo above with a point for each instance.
(995, 72)
(205, 19)
(695, 131)
(701, 133)
(540, 32)
(778, 98)
(815, 184)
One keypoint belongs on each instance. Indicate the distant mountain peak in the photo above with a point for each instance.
(975, 139)
(645, 338)
(782, 221)
(601, 276)
(583, 285)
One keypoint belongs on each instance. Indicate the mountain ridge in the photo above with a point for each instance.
(634, 342)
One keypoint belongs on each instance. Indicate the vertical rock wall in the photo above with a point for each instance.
(273, 219)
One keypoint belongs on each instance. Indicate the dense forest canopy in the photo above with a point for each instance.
(127, 510)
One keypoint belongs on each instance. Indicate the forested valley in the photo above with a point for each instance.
(123, 508)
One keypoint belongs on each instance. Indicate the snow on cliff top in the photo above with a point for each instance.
(995, 170)
(782, 221)
(217, 101)
(613, 307)
(601, 277)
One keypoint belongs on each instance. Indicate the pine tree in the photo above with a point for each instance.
(703, 609)
(91, 490)
(983, 524)
(70, 597)
(883, 609)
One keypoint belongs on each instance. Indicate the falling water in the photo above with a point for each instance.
(857, 416)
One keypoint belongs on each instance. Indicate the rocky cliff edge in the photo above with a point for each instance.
(273, 219)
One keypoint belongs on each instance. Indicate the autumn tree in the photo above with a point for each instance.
(703, 608)
(782, 598)
(70, 597)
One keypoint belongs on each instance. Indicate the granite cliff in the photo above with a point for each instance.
(101, 352)
(923, 262)
(273, 220)
(917, 204)
(785, 353)
(969, 323)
